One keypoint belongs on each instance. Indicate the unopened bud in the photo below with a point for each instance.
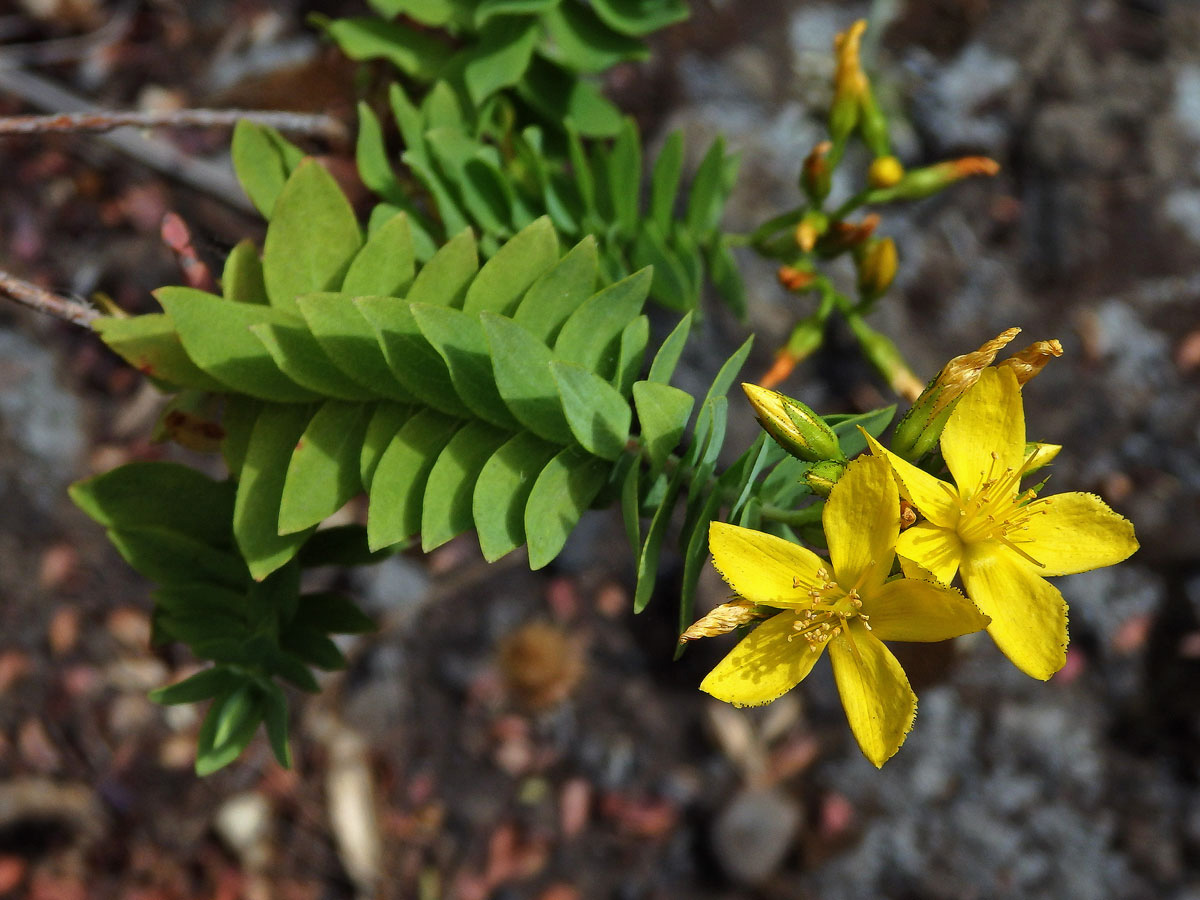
(810, 229)
(1026, 364)
(920, 183)
(887, 359)
(885, 172)
(815, 175)
(804, 341)
(843, 236)
(795, 427)
(849, 82)
(872, 123)
(725, 618)
(919, 430)
(877, 266)
(795, 279)
(822, 476)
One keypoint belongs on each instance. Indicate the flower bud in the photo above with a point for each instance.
(822, 476)
(872, 123)
(804, 340)
(919, 430)
(1038, 455)
(725, 618)
(810, 229)
(849, 82)
(795, 427)
(816, 175)
(843, 236)
(885, 172)
(887, 359)
(920, 183)
(876, 265)
(1031, 360)
(795, 279)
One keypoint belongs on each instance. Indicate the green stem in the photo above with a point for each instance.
(796, 518)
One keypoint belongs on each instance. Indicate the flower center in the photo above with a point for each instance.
(831, 610)
(999, 511)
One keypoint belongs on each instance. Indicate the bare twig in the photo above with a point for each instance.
(29, 294)
(303, 123)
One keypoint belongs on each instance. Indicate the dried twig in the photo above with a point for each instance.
(29, 294)
(303, 123)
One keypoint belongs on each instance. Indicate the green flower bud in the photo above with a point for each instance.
(920, 183)
(823, 475)
(795, 427)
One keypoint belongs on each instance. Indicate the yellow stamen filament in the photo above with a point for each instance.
(830, 611)
(998, 510)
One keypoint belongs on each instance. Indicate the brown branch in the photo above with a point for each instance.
(29, 294)
(317, 124)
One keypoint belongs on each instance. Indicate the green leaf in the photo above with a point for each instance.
(518, 264)
(312, 237)
(632, 355)
(172, 557)
(447, 510)
(489, 8)
(631, 506)
(625, 178)
(385, 422)
(521, 366)
(340, 545)
(312, 647)
(299, 356)
(385, 265)
(501, 57)
(559, 96)
(502, 493)
(242, 277)
(591, 336)
(134, 495)
(151, 345)
(485, 193)
(291, 669)
(216, 335)
(228, 728)
(241, 412)
(599, 416)
(204, 685)
(563, 490)
(640, 17)
(664, 183)
(850, 439)
(351, 343)
(581, 169)
(333, 613)
(260, 489)
(694, 557)
(262, 160)
(323, 471)
(729, 371)
(410, 357)
(663, 412)
(667, 357)
(784, 484)
(275, 715)
(443, 281)
(435, 13)
(582, 42)
(459, 338)
(756, 458)
(673, 287)
(647, 567)
(712, 184)
(559, 292)
(371, 158)
(413, 52)
(202, 599)
(398, 486)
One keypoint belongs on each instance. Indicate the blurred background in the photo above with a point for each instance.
(518, 735)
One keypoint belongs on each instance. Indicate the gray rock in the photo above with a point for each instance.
(753, 833)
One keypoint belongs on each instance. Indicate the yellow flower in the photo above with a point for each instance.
(1005, 541)
(846, 604)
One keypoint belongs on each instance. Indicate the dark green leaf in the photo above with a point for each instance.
(332, 613)
(632, 354)
(312, 647)
(640, 17)
(240, 414)
(228, 728)
(631, 506)
(275, 714)
(729, 371)
(723, 269)
(559, 96)
(202, 598)
(582, 42)
(521, 365)
(625, 178)
(173, 557)
(447, 510)
(664, 183)
(341, 545)
(598, 415)
(713, 181)
(672, 285)
(647, 567)
(559, 292)
(204, 685)
(501, 58)
(413, 52)
(475, 175)
(489, 8)
(323, 471)
(591, 336)
(663, 413)
(502, 492)
(667, 357)
(563, 490)
(399, 483)
(694, 556)
(850, 439)
(518, 264)
(300, 357)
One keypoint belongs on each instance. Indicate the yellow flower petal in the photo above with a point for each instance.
(862, 521)
(988, 419)
(937, 549)
(1029, 615)
(1078, 532)
(762, 567)
(879, 702)
(909, 610)
(763, 666)
(934, 499)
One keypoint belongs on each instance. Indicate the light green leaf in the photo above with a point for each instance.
(323, 471)
(151, 345)
(385, 422)
(216, 335)
(559, 96)
(238, 421)
(694, 557)
(371, 158)
(242, 277)
(312, 237)
(582, 42)
(502, 493)
(631, 506)
(483, 190)
(443, 281)
(412, 52)
(435, 13)
(729, 371)
(599, 416)
(673, 286)
(501, 57)
(262, 160)
(447, 508)
(563, 490)
(519, 263)
(204, 685)
(260, 489)
(850, 439)
(667, 357)
(591, 336)
(663, 412)
(229, 726)
(559, 292)
(489, 8)
(300, 357)
(647, 566)
(632, 354)
(398, 485)
(664, 183)
(712, 184)
(385, 265)
(625, 178)
(521, 365)
(640, 17)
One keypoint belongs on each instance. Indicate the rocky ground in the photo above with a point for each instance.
(516, 735)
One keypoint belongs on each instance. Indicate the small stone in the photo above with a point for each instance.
(753, 833)
(63, 631)
(130, 626)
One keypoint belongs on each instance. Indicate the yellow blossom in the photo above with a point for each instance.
(1005, 541)
(846, 604)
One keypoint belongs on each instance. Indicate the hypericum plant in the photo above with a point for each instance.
(478, 358)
